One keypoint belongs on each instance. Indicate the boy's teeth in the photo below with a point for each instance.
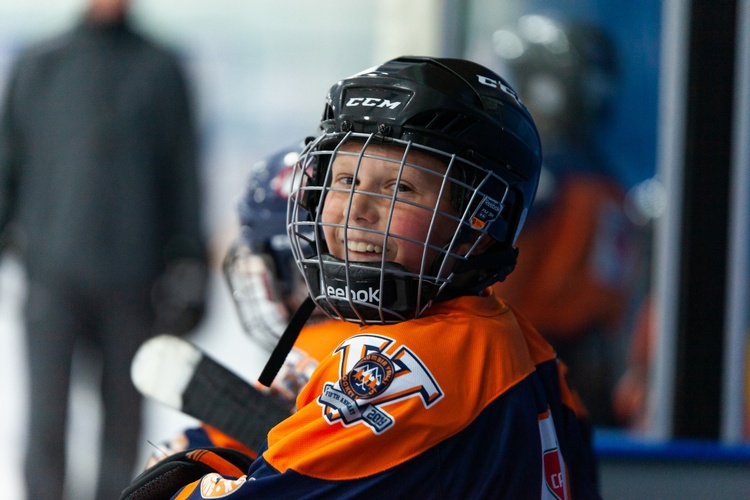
(364, 247)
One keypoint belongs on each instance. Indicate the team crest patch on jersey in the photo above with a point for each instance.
(370, 376)
(555, 473)
(374, 372)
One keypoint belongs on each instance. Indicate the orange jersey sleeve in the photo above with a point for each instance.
(404, 377)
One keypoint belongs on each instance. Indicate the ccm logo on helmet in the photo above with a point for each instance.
(484, 80)
(372, 102)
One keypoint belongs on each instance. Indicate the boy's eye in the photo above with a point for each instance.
(402, 188)
(345, 180)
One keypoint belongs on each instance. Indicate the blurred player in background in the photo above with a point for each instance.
(575, 277)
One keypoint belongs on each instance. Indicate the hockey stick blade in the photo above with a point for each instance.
(178, 374)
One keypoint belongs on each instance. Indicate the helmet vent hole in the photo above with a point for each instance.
(454, 123)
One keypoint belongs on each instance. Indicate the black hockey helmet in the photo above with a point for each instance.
(455, 110)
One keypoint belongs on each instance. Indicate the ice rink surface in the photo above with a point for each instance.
(219, 335)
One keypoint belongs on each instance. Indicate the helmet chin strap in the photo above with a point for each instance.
(473, 275)
(286, 342)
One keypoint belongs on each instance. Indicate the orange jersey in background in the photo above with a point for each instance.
(576, 262)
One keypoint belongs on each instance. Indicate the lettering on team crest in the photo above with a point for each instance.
(370, 376)
(375, 373)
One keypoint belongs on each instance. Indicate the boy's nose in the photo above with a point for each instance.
(361, 208)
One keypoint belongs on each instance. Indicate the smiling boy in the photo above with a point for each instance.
(403, 212)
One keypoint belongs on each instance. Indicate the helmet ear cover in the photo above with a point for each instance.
(482, 270)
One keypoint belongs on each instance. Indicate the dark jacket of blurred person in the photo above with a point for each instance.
(575, 276)
(99, 183)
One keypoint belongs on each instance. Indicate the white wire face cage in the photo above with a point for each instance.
(373, 289)
(259, 303)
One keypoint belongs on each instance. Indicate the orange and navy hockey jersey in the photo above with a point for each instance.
(467, 401)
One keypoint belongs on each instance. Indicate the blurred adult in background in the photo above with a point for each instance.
(100, 195)
(574, 278)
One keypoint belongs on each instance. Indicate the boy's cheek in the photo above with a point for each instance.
(331, 242)
(333, 208)
(410, 226)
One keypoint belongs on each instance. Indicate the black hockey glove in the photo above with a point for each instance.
(179, 297)
(164, 479)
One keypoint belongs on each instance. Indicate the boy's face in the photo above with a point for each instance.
(359, 225)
